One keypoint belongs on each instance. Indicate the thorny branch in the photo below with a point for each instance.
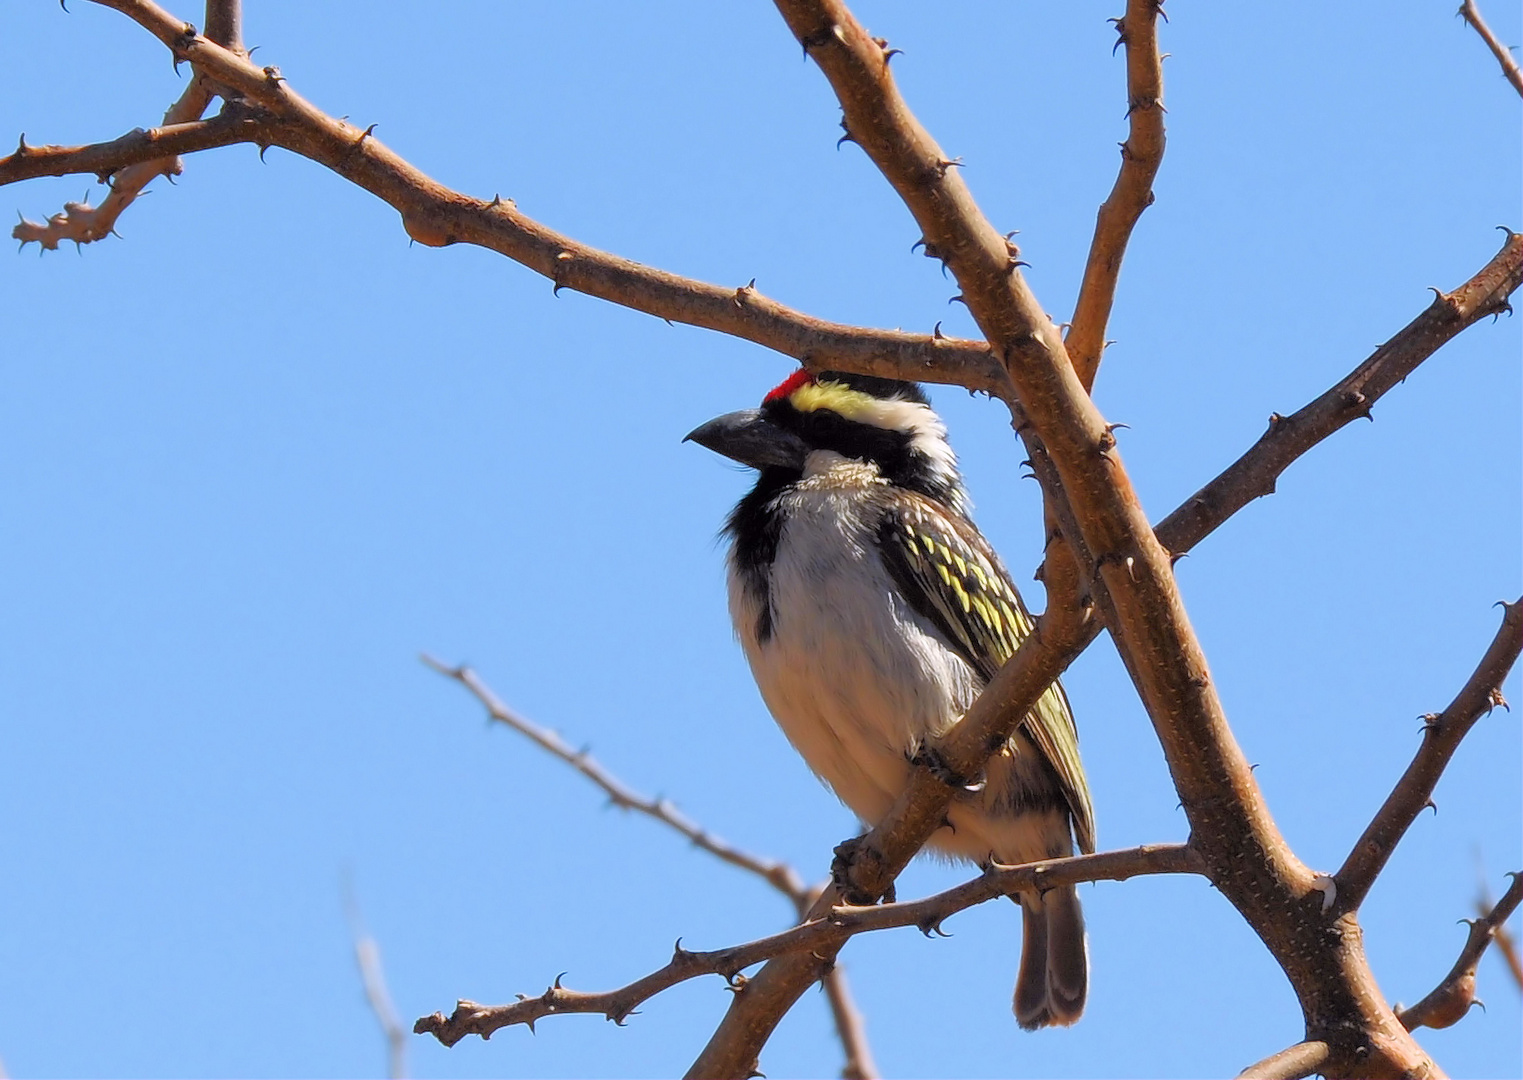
(229, 127)
(1442, 734)
(83, 223)
(433, 214)
(827, 932)
(1141, 155)
(1292, 1063)
(1452, 998)
(1254, 474)
(1063, 632)
(436, 216)
(1231, 826)
(781, 876)
(1472, 15)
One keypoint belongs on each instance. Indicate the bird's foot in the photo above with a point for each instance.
(852, 858)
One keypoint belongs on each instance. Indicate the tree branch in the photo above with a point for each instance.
(1472, 15)
(228, 127)
(436, 216)
(84, 224)
(224, 23)
(1254, 474)
(1153, 632)
(781, 876)
(1292, 1063)
(1452, 998)
(1141, 155)
(1230, 825)
(367, 955)
(827, 932)
(1506, 946)
(850, 1027)
(1442, 734)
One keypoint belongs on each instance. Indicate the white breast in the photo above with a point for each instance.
(854, 676)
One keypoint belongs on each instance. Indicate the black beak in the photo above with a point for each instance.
(751, 439)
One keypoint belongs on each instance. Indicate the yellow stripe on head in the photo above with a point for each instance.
(858, 406)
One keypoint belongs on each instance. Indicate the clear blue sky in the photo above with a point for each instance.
(259, 453)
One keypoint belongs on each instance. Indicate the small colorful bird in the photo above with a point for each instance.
(873, 612)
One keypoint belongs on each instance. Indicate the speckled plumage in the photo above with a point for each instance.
(872, 613)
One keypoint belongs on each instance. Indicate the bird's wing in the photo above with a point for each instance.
(950, 575)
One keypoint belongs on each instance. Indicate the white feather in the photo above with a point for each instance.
(858, 680)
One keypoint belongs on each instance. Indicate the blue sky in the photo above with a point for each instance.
(259, 453)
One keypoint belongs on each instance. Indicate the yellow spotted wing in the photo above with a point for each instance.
(951, 576)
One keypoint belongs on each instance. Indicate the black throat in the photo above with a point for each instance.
(754, 527)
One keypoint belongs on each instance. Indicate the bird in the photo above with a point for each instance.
(872, 612)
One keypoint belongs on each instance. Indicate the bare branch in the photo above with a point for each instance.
(434, 215)
(1064, 630)
(1262, 879)
(1442, 734)
(1254, 474)
(83, 223)
(859, 1063)
(1141, 155)
(779, 875)
(826, 932)
(367, 954)
(1292, 1063)
(1506, 945)
(224, 23)
(1452, 998)
(137, 146)
(1230, 825)
(1472, 15)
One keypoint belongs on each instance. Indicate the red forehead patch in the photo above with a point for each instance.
(785, 389)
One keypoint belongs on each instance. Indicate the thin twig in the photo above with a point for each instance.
(137, 146)
(1254, 474)
(1292, 1063)
(781, 876)
(1441, 737)
(1141, 155)
(827, 932)
(1452, 998)
(850, 1026)
(1506, 945)
(1472, 15)
(367, 955)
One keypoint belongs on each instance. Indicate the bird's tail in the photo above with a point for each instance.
(1053, 981)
